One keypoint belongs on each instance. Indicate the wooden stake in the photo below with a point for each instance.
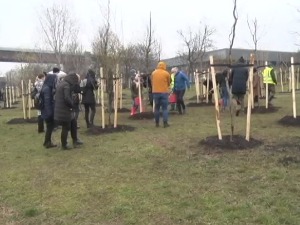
(13, 94)
(140, 92)
(213, 76)
(250, 99)
(121, 92)
(98, 92)
(10, 96)
(29, 99)
(207, 86)
(116, 96)
(102, 98)
(298, 78)
(293, 87)
(23, 99)
(6, 97)
(281, 81)
(267, 90)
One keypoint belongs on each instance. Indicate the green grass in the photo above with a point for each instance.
(152, 175)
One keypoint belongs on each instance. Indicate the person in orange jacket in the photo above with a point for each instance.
(161, 79)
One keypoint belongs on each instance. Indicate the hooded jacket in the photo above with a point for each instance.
(63, 98)
(89, 84)
(239, 78)
(181, 81)
(161, 79)
(47, 97)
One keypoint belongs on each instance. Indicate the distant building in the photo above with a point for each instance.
(221, 56)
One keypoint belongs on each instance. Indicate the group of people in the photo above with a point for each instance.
(57, 100)
(162, 84)
(165, 84)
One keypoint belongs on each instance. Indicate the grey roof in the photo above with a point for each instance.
(222, 54)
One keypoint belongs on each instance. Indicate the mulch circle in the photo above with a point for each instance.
(22, 120)
(263, 110)
(238, 143)
(108, 130)
(142, 116)
(290, 121)
(201, 104)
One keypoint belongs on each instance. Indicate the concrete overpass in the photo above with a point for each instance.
(17, 55)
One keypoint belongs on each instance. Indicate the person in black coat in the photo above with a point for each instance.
(63, 111)
(88, 86)
(47, 107)
(238, 80)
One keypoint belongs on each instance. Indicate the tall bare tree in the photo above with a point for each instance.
(148, 48)
(233, 29)
(107, 47)
(57, 26)
(196, 45)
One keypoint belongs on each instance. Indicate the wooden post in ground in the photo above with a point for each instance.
(290, 80)
(298, 78)
(102, 97)
(196, 78)
(10, 96)
(140, 92)
(121, 91)
(116, 95)
(13, 95)
(213, 76)
(29, 99)
(250, 98)
(6, 97)
(267, 90)
(293, 87)
(23, 99)
(207, 86)
(98, 92)
(281, 80)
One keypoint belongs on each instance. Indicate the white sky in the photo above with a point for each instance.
(278, 21)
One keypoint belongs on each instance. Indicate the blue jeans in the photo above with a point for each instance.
(225, 96)
(161, 100)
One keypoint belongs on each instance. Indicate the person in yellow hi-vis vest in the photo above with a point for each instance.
(270, 79)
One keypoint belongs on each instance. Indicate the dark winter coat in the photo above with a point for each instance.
(63, 98)
(89, 86)
(238, 79)
(47, 97)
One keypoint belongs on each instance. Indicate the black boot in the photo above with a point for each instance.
(166, 124)
(40, 124)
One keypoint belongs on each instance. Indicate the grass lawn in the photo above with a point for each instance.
(153, 175)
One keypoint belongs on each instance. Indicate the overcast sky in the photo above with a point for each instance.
(278, 20)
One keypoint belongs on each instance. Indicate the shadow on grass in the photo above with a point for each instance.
(22, 121)
(238, 143)
(96, 130)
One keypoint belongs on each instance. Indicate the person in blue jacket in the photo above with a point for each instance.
(180, 84)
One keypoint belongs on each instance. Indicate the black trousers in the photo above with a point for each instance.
(40, 124)
(89, 117)
(50, 124)
(66, 127)
(180, 102)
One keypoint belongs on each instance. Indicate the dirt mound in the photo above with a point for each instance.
(263, 110)
(108, 130)
(238, 143)
(290, 121)
(142, 116)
